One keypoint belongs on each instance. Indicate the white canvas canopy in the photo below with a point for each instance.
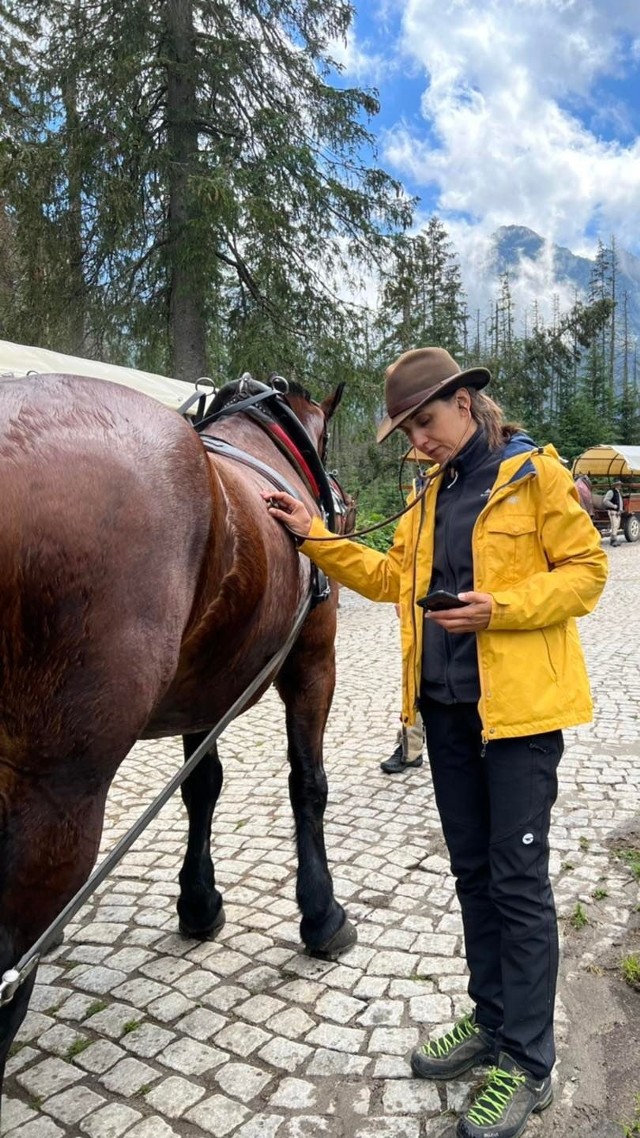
(17, 360)
(608, 461)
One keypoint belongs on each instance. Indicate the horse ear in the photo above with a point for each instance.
(332, 402)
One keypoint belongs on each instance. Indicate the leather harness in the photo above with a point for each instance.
(267, 407)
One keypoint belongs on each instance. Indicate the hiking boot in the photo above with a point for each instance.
(467, 1045)
(396, 763)
(502, 1108)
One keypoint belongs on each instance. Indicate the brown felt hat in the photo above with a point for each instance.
(419, 376)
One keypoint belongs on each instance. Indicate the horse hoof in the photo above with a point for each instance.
(345, 938)
(204, 934)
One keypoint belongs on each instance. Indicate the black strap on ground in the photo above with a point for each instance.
(14, 977)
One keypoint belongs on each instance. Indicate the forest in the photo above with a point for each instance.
(189, 187)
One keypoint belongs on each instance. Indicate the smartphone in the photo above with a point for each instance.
(440, 599)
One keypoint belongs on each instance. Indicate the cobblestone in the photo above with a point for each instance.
(134, 1031)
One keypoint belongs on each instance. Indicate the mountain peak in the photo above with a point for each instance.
(512, 242)
(512, 246)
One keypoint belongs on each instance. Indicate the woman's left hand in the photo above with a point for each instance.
(472, 618)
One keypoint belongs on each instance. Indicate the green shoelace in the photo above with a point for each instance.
(492, 1101)
(441, 1047)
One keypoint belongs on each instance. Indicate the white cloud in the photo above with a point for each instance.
(359, 58)
(360, 64)
(502, 140)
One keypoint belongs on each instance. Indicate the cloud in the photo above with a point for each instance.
(357, 61)
(508, 113)
(358, 56)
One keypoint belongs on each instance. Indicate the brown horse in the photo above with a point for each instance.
(143, 586)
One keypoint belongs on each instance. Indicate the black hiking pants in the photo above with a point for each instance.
(495, 810)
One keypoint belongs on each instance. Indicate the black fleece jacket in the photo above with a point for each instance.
(450, 661)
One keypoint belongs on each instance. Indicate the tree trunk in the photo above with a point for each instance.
(187, 326)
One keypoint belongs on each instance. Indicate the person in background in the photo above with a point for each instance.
(408, 751)
(613, 503)
(496, 677)
(409, 744)
(585, 492)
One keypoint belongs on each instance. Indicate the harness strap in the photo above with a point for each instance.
(234, 408)
(277, 418)
(291, 450)
(222, 447)
(299, 436)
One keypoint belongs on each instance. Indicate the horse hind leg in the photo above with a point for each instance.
(306, 686)
(48, 841)
(200, 908)
(11, 1014)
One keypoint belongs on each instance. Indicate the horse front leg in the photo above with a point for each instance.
(306, 684)
(200, 908)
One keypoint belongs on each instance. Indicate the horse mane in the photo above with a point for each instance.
(296, 388)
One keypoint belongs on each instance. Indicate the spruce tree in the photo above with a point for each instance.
(197, 163)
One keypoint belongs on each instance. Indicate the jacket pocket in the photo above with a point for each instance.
(511, 547)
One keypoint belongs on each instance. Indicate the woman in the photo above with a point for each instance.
(498, 523)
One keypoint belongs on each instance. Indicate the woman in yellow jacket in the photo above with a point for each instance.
(498, 524)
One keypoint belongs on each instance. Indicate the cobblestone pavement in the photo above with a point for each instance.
(135, 1031)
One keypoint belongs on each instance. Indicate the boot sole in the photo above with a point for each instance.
(537, 1109)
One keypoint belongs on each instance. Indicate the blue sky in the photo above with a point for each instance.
(499, 112)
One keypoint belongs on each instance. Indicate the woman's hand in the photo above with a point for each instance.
(472, 618)
(289, 510)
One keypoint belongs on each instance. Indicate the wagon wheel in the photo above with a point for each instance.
(631, 527)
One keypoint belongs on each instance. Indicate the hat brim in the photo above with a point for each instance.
(477, 377)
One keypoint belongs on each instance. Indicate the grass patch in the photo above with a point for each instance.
(240, 823)
(631, 1127)
(583, 843)
(600, 894)
(15, 1049)
(143, 1090)
(631, 858)
(77, 1047)
(567, 866)
(130, 1026)
(630, 967)
(95, 1007)
(579, 918)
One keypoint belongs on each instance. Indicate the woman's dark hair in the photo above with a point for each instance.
(489, 416)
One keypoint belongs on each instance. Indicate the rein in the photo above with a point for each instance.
(428, 479)
(385, 521)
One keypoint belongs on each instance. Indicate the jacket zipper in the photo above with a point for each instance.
(413, 607)
(482, 707)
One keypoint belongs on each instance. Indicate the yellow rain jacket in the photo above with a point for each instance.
(536, 551)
